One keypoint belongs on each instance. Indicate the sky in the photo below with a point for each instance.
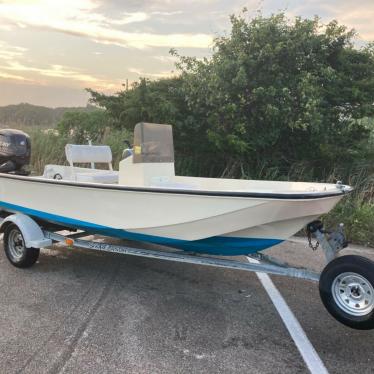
(51, 50)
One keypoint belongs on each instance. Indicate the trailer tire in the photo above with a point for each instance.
(15, 248)
(346, 288)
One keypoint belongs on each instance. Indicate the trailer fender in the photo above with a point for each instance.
(31, 231)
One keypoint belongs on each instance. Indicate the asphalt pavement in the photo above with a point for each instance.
(78, 311)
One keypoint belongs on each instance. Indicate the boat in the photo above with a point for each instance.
(204, 217)
(145, 201)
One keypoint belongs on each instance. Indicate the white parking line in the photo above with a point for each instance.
(305, 347)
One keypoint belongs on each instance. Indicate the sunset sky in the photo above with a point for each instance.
(51, 50)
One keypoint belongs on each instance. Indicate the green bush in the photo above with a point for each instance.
(47, 147)
(358, 219)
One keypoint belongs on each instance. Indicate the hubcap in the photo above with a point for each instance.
(16, 244)
(353, 293)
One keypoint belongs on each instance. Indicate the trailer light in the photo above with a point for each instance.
(69, 241)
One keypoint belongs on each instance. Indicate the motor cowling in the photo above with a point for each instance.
(15, 151)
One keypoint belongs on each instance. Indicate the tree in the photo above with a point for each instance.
(275, 93)
(81, 127)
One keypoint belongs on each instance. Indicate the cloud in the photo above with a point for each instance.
(353, 14)
(14, 77)
(167, 14)
(8, 52)
(167, 59)
(359, 19)
(13, 69)
(141, 73)
(82, 18)
(63, 72)
(130, 18)
(5, 28)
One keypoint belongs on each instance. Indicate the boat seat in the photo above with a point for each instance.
(91, 154)
(98, 177)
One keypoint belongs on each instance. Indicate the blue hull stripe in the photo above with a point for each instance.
(217, 245)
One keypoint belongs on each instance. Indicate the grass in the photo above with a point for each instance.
(356, 211)
(48, 147)
(358, 219)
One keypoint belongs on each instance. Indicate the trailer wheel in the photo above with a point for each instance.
(15, 248)
(346, 288)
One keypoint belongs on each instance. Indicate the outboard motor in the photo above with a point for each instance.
(15, 151)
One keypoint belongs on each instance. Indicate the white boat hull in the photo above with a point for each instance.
(210, 222)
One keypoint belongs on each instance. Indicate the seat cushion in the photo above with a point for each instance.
(108, 177)
(76, 154)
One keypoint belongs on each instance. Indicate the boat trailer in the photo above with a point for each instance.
(346, 284)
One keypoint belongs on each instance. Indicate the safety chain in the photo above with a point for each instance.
(314, 247)
(311, 228)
